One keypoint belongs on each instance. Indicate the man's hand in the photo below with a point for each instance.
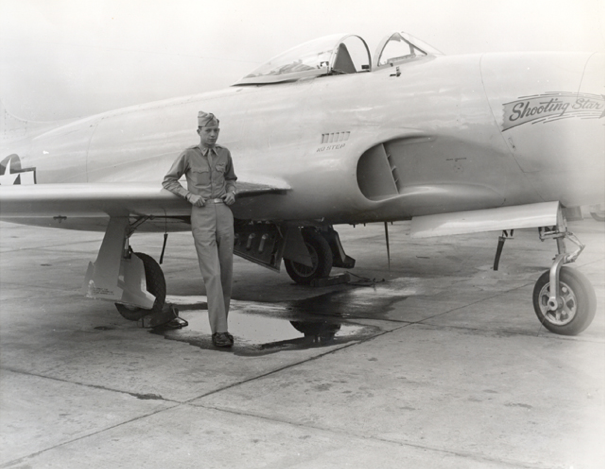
(229, 198)
(196, 200)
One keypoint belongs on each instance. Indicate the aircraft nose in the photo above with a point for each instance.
(550, 108)
(525, 88)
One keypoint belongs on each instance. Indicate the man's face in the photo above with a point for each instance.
(208, 135)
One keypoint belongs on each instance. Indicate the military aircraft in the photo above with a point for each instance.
(323, 135)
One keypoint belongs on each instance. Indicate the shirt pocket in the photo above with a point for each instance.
(200, 176)
(221, 167)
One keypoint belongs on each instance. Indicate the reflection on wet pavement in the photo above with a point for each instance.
(260, 328)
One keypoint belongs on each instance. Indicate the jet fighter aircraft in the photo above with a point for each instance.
(323, 135)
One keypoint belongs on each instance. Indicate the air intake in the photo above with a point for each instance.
(377, 176)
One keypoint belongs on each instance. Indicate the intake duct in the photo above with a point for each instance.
(377, 174)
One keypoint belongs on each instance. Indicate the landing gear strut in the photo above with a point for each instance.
(564, 300)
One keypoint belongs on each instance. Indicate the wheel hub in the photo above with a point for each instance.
(566, 309)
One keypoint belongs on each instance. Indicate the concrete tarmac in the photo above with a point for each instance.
(435, 362)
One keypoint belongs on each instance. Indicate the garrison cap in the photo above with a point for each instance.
(206, 118)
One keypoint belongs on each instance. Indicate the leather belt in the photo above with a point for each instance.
(216, 201)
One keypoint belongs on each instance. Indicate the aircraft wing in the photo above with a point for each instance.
(103, 199)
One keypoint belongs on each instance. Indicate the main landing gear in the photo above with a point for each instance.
(324, 252)
(570, 307)
(598, 212)
(155, 285)
(321, 259)
(308, 252)
(134, 281)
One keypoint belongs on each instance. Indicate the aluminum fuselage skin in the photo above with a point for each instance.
(442, 120)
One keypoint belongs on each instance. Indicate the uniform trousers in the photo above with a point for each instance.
(212, 228)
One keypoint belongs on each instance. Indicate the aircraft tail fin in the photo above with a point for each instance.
(14, 128)
(11, 127)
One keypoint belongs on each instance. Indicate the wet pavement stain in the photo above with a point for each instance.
(359, 303)
(262, 328)
(256, 335)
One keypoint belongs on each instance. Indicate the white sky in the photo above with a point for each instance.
(70, 58)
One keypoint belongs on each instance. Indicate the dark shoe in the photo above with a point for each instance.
(176, 323)
(168, 313)
(222, 339)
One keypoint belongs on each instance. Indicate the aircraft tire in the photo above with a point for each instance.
(597, 216)
(579, 302)
(321, 257)
(156, 285)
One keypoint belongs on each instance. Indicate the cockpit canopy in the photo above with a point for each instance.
(337, 54)
(400, 47)
(327, 55)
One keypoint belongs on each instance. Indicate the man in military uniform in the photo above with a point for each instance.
(208, 169)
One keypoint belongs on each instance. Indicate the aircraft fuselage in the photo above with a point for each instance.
(433, 135)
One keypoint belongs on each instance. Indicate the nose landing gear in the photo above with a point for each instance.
(575, 307)
(564, 299)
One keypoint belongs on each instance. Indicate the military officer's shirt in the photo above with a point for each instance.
(209, 173)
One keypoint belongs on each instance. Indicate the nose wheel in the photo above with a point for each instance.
(576, 303)
(564, 299)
